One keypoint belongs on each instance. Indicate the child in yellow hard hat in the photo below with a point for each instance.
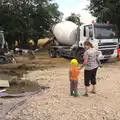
(73, 77)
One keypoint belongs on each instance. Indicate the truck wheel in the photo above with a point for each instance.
(52, 53)
(79, 56)
(3, 60)
(58, 54)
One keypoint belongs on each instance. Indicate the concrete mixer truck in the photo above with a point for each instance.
(69, 40)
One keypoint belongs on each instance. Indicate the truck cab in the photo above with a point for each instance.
(104, 38)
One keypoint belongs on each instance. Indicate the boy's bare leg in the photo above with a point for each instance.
(71, 87)
(76, 87)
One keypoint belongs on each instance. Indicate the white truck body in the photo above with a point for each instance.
(102, 36)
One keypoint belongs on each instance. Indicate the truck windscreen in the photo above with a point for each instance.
(105, 32)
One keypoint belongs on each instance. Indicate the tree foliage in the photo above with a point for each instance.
(27, 19)
(106, 10)
(74, 18)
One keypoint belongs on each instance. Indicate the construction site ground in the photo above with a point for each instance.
(56, 103)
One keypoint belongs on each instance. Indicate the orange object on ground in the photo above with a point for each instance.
(118, 54)
(74, 72)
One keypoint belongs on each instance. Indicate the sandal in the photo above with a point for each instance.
(71, 94)
(86, 95)
(76, 95)
(93, 92)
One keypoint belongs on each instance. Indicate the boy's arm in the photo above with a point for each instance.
(81, 67)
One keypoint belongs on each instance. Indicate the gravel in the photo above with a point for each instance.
(57, 104)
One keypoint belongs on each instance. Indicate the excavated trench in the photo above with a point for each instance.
(17, 85)
(18, 93)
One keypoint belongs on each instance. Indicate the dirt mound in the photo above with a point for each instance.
(19, 69)
(21, 86)
(14, 72)
(18, 85)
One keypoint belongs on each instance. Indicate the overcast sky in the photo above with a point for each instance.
(75, 6)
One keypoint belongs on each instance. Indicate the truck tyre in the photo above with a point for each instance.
(79, 56)
(58, 54)
(3, 60)
(52, 53)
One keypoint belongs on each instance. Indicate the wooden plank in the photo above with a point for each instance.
(4, 83)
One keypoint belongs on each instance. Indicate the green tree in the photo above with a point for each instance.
(24, 19)
(74, 18)
(45, 15)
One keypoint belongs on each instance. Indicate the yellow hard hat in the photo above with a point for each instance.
(74, 62)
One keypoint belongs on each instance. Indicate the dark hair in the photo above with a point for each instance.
(88, 44)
